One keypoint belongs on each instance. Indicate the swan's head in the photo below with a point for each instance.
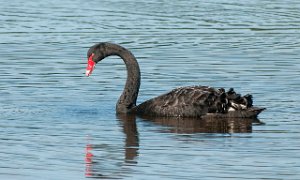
(95, 54)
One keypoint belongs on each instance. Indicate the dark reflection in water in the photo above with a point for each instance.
(207, 125)
(132, 138)
(93, 165)
(174, 125)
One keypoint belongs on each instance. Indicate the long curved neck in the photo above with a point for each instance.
(128, 98)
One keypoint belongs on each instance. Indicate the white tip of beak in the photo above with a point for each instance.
(88, 73)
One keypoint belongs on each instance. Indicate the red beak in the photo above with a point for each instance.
(90, 66)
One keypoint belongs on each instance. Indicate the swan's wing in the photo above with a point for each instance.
(197, 101)
(192, 101)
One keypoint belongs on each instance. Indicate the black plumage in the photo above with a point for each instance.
(199, 101)
(192, 101)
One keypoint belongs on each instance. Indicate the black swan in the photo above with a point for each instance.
(192, 101)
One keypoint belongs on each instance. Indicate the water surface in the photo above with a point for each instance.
(58, 124)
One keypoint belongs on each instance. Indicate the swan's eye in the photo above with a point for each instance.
(91, 57)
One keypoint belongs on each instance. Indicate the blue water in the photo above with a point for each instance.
(58, 124)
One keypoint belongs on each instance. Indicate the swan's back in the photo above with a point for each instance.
(199, 101)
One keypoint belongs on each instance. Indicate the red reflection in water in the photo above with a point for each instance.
(88, 160)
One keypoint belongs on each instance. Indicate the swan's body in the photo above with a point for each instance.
(193, 101)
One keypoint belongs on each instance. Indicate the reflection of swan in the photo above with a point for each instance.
(205, 125)
(196, 101)
(95, 165)
(132, 139)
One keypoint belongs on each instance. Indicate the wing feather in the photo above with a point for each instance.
(197, 101)
(184, 101)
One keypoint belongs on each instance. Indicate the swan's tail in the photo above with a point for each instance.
(241, 106)
(251, 112)
(232, 105)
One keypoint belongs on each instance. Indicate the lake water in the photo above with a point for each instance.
(58, 124)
